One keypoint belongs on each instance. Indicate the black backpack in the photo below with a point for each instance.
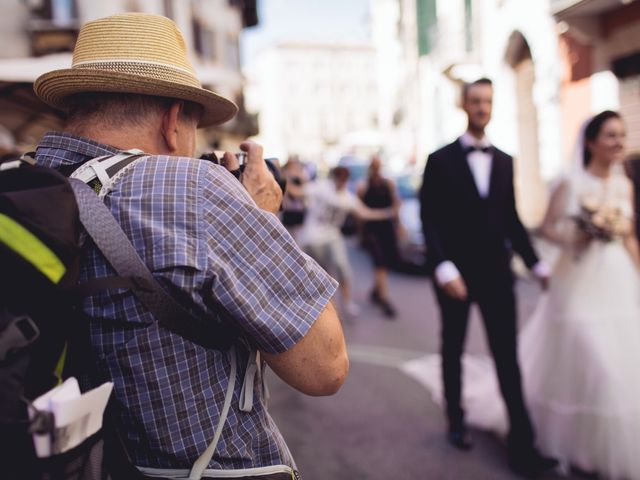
(43, 333)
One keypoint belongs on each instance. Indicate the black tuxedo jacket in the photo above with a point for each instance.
(476, 234)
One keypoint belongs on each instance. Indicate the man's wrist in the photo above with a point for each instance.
(446, 272)
(541, 269)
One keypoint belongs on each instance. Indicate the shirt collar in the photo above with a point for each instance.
(58, 149)
(467, 140)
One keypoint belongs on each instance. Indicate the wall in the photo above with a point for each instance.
(13, 42)
(310, 96)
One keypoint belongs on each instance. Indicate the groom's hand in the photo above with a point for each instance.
(456, 289)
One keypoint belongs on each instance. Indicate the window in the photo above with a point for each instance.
(231, 52)
(427, 22)
(168, 8)
(63, 11)
(53, 26)
(468, 25)
(60, 12)
(204, 42)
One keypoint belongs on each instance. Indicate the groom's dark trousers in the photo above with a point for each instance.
(478, 235)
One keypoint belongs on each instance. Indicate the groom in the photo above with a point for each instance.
(471, 226)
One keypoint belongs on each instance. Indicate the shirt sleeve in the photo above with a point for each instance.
(353, 202)
(541, 269)
(446, 272)
(271, 288)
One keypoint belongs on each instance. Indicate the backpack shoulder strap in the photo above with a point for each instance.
(100, 172)
(15, 162)
(109, 237)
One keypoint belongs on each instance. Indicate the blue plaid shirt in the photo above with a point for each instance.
(201, 235)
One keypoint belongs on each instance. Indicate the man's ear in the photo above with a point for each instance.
(170, 126)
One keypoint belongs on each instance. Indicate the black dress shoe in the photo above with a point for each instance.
(461, 439)
(374, 296)
(531, 464)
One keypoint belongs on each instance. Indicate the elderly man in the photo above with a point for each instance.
(212, 243)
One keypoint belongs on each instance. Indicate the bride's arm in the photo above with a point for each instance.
(555, 212)
(631, 244)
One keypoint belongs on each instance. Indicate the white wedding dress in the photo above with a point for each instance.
(579, 354)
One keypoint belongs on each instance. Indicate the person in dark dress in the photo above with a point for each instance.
(379, 192)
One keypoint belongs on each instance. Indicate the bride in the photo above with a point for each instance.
(580, 351)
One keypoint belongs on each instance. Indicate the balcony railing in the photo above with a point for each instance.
(565, 8)
(559, 6)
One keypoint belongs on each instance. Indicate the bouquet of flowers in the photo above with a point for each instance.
(602, 221)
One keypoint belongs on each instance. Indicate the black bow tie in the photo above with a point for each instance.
(476, 148)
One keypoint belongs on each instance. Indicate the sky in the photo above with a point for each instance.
(309, 20)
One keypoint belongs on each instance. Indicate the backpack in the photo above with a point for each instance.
(44, 336)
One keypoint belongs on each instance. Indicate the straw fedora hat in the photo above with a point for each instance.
(133, 53)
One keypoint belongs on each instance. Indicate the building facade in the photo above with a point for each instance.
(38, 35)
(514, 43)
(394, 36)
(601, 55)
(553, 62)
(317, 101)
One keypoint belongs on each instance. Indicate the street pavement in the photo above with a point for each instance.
(383, 424)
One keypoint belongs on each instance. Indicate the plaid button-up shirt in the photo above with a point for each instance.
(203, 237)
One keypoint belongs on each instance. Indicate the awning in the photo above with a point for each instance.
(24, 115)
(571, 8)
(21, 112)
(30, 68)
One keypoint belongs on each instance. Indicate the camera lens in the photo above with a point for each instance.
(242, 157)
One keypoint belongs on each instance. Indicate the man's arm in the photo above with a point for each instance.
(362, 212)
(430, 205)
(278, 296)
(446, 273)
(318, 364)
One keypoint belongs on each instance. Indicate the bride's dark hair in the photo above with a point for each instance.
(593, 129)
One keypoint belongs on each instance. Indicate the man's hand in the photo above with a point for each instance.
(257, 178)
(456, 289)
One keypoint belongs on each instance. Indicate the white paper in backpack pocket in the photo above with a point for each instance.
(77, 416)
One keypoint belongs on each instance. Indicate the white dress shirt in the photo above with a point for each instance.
(480, 163)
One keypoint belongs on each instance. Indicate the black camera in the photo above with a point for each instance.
(272, 165)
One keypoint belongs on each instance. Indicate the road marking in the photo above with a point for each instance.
(382, 356)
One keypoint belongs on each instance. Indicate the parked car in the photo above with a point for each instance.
(357, 167)
(411, 245)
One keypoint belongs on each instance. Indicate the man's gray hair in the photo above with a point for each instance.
(123, 109)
